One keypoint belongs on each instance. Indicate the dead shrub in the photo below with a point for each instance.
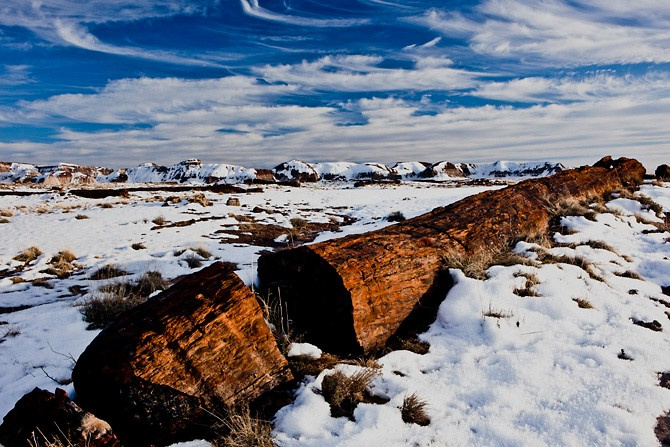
(413, 410)
(344, 393)
(275, 313)
(583, 303)
(149, 283)
(12, 330)
(193, 261)
(28, 255)
(102, 309)
(81, 216)
(299, 224)
(243, 430)
(107, 271)
(200, 198)
(396, 216)
(6, 213)
(159, 220)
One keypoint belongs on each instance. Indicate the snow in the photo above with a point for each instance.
(304, 349)
(545, 373)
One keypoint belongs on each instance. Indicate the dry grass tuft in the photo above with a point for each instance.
(413, 410)
(601, 246)
(304, 365)
(81, 216)
(10, 331)
(202, 252)
(630, 274)
(583, 303)
(193, 261)
(138, 246)
(106, 205)
(28, 255)
(200, 198)
(42, 282)
(6, 213)
(396, 216)
(107, 271)
(149, 283)
(344, 393)
(475, 265)
(583, 263)
(529, 287)
(17, 280)
(159, 220)
(4, 221)
(243, 430)
(61, 264)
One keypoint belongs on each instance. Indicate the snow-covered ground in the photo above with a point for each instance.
(545, 371)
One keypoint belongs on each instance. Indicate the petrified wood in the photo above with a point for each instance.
(162, 371)
(350, 295)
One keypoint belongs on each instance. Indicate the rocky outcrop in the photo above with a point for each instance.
(49, 417)
(295, 170)
(663, 173)
(365, 286)
(162, 370)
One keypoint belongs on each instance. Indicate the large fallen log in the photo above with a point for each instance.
(350, 295)
(166, 370)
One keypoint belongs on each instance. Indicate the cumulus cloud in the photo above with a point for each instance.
(567, 33)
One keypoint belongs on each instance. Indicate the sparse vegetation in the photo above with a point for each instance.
(299, 224)
(28, 255)
(102, 309)
(547, 258)
(474, 265)
(61, 264)
(529, 287)
(149, 283)
(583, 303)
(4, 220)
(201, 199)
(138, 246)
(193, 261)
(413, 410)
(12, 330)
(202, 252)
(107, 271)
(17, 280)
(6, 213)
(107, 205)
(344, 392)
(159, 220)
(42, 282)
(243, 430)
(81, 216)
(630, 274)
(396, 216)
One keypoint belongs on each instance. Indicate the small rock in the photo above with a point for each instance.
(663, 172)
(233, 201)
(47, 417)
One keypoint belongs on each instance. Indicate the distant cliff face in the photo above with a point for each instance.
(194, 171)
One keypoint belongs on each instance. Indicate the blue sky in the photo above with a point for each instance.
(257, 82)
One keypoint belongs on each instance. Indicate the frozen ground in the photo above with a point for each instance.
(502, 369)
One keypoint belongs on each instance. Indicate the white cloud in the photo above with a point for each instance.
(253, 9)
(560, 32)
(12, 75)
(363, 74)
(63, 22)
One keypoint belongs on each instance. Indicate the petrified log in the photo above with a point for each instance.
(350, 295)
(162, 371)
(44, 418)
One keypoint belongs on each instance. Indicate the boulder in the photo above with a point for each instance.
(46, 417)
(663, 173)
(350, 295)
(165, 370)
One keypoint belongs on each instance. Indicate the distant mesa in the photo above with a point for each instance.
(194, 170)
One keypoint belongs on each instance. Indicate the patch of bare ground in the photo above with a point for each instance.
(662, 429)
(651, 325)
(266, 235)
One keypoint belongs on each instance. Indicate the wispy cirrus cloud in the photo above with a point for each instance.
(558, 32)
(12, 75)
(252, 8)
(63, 22)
